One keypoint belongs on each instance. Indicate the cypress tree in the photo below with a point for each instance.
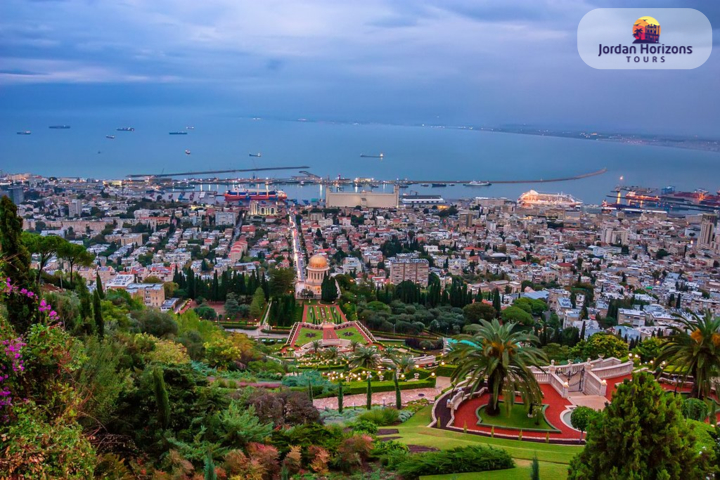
(97, 309)
(21, 309)
(161, 397)
(398, 396)
(340, 396)
(497, 302)
(99, 286)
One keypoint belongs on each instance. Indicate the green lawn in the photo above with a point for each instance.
(344, 334)
(554, 458)
(308, 335)
(517, 419)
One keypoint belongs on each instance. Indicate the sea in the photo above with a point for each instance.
(332, 149)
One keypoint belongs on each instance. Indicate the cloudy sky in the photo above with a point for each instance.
(395, 61)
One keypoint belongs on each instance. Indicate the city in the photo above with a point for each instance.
(370, 241)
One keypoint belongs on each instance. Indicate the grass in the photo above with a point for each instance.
(308, 335)
(517, 419)
(356, 335)
(416, 432)
(314, 314)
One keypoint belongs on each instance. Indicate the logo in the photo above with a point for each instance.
(603, 40)
(646, 30)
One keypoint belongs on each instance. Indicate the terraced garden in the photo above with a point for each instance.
(317, 314)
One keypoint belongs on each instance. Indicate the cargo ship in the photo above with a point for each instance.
(25, 132)
(126, 129)
(245, 195)
(110, 137)
(178, 133)
(59, 127)
(439, 185)
(256, 154)
(380, 155)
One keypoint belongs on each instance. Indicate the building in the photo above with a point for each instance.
(75, 208)
(422, 200)
(317, 268)
(409, 269)
(263, 208)
(121, 281)
(151, 294)
(361, 199)
(707, 230)
(225, 218)
(15, 193)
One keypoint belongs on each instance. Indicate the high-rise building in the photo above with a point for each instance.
(415, 270)
(707, 230)
(14, 193)
(75, 208)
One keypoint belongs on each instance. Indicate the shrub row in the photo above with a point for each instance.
(475, 458)
(445, 370)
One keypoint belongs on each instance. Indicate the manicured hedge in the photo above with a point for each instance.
(476, 458)
(355, 388)
(445, 370)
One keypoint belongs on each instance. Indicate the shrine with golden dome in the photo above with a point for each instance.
(317, 268)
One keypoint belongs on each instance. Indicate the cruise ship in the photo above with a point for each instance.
(476, 183)
(245, 195)
(535, 199)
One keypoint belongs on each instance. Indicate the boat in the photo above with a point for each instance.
(178, 133)
(476, 183)
(25, 132)
(536, 199)
(126, 129)
(439, 185)
(424, 184)
(245, 195)
(187, 152)
(381, 155)
(189, 128)
(256, 154)
(110, 137)
(59, 127)
(403, 186)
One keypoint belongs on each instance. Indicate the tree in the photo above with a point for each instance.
(257, 306)
(640, 435)
(42, 246)
(97, 312)
(694, 409)
(401, 364)
(99, 287)
(74, 254)
(281, 281)
(368, 359)
(232, 307)
(502, 355)
(517, 315)
(497, 301)
(162, 401)
(697, 353)
(581, 417)
(649, 349)
(598, 344)
(15, 265)
(477, 311)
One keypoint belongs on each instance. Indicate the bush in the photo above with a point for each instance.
(390, 453)
(381, 416)
(475, 458)
(365, 426)
(694, 409)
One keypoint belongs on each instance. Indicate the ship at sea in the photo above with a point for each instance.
(25, 132)
(178, 133)
(110, 137)
(246, 195)
(126, 129)
(187, 152)
(256, 154)
(439, 185)
(476, 183)
(536, 199)
(59, 127)
(424, 184)
(380, 155)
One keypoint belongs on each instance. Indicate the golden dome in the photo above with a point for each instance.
(318, 261)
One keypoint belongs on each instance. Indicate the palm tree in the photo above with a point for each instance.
(354, 344)
(316, 344)
(697, 353)
(504, 357)
(369, 359)
(332, 353)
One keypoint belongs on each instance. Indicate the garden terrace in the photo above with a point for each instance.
(319, 313)
(337, 335)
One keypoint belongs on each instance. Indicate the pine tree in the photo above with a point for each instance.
(97, 310)
(21, 309)
(641, 434)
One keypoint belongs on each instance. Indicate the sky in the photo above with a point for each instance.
(389, 61)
